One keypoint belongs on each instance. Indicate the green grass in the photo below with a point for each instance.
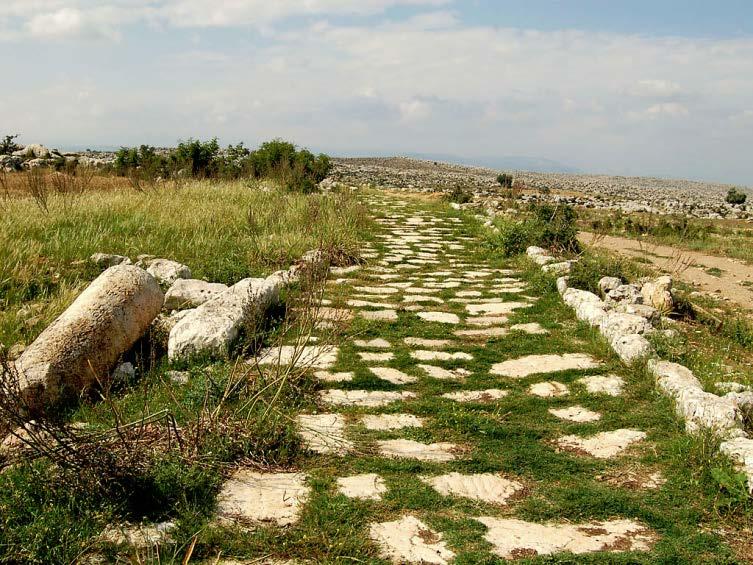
(223, 231)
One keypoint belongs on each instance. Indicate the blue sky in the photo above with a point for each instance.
(645, 88)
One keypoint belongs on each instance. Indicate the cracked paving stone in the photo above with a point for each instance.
(368, 486)
(395, 376)
(534, 364)
(486, 487)
(409, 540)
(387, 422)
(409, 449)
(366, 398)
(604, 445)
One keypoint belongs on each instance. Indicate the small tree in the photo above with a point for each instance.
(8, 144)
(734, 196)
(505, 180)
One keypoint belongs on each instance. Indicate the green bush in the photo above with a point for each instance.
(514, 238)
(459, 195)
(589, 269)
(552, 227)
(297, 170)
(144, 157)
(8, 144)
(558, 230)
(505, 180)
(734, 196)
(198, 156)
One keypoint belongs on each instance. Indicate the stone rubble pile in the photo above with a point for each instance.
(625, 317)
(85, 343)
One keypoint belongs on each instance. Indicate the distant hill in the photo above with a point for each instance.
(515, 163)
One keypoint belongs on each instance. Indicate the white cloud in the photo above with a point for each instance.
(428, 83)
(655, 88)
(414, 110)
(672, 109)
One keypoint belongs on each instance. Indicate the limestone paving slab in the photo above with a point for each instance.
(495, 308)
(366, 398)
(611, 385)
(512, 538)
(324, 433)
(426, 355)
(486, 487)
(250, 497)
(549, 389)
(308, 356)
(439, 317)
(376, 357)
(533, 364)
(389, 422)
(604, 445)
(428, 343)
(576, 414)
(367, 486)
(487, 395)
(330, 377)
(377, 343)
(395, 376)
(380, 315)
(409, 449)
(444, 374)
(409, 540)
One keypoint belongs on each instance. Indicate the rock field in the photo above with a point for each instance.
(629, 194)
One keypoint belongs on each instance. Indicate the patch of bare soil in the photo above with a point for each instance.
(688, 266)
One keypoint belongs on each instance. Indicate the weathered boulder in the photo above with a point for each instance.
(700, 409)
(562, 284)
(607, 284)
(167, 272)
(109, 260)
(190, 293)
(212, 328)
(85, 342)
(629, 293)
(644, 311)
(588, 307)
(617, 324)
(658, 293)
(540, 256)
(33, 151)
(740, 450)
(561, 268)
(632, 348)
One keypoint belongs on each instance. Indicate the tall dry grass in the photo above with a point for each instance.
(224, 231)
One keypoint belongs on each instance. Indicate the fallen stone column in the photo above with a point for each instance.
(85, 342)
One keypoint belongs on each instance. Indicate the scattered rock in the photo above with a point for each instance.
(167, 272)
(191, 293)
(107, 260)
(658, 293)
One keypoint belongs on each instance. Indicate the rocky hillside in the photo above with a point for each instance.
(630, 194)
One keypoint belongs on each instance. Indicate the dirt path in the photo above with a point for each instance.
(689, 266)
